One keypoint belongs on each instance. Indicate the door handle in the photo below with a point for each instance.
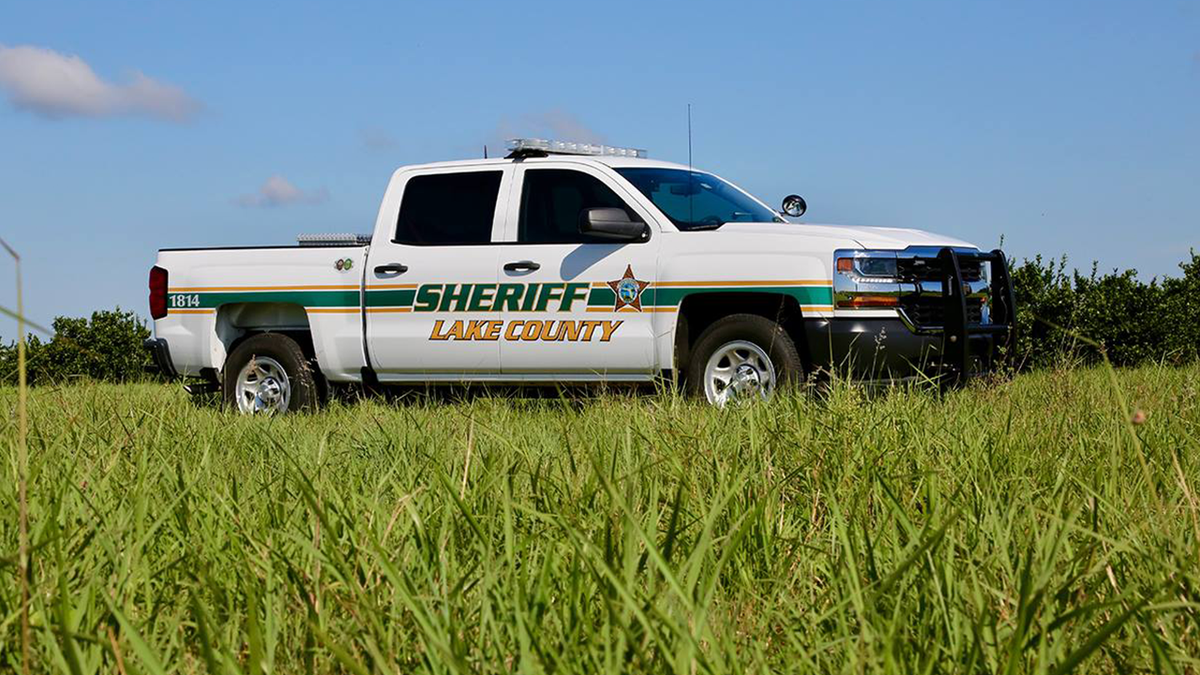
(521, 266)
(391, 268)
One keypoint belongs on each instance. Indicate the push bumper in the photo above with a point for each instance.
(161, 354)
(886, 350)
(951, 353)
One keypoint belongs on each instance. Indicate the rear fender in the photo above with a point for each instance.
(332, 336)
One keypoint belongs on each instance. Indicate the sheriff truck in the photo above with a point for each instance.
(574, 263)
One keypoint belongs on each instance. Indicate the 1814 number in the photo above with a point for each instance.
(182, 300)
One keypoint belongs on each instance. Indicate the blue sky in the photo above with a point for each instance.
(1065, 127)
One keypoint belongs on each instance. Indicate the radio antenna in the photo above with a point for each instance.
(691, 192)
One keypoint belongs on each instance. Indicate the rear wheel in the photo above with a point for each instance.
(269, 374)
(742, 357)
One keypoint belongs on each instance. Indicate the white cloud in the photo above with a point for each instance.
(54, 85)
(555, 124)
(375, 138)
(278, 191)
(566, 126)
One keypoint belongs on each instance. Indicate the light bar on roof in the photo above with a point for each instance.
(572, 148)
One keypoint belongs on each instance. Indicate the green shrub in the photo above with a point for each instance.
(106, 348)
(1181, 307)
(1063, 316)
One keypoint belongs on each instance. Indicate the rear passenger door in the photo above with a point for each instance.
(584, 309)
(424, 286)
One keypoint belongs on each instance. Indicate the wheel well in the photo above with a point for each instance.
(302, 338)
(237, 322)
(699, 311)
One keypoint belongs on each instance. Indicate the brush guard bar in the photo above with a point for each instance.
(957, 332)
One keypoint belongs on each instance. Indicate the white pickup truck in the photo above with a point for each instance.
(568, 262)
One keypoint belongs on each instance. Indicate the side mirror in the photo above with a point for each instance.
(794, 206)
(611, 223)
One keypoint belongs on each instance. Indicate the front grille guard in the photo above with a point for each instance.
(957, 332)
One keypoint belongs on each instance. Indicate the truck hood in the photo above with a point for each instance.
(866, 237)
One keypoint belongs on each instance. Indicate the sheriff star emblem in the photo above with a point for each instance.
(628, 290)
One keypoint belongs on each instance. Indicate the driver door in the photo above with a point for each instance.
(587, 309)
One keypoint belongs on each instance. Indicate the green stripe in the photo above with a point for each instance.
(600, 297)
(388, 298)
(671, 297)
(391, 298)
(305, 298)
(805, 295)
(597, 297)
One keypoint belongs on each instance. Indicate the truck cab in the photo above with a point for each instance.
(568, 262)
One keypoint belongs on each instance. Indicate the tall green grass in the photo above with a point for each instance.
(1020, 527)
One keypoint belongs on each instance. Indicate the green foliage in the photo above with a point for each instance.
(106, 348)
(1066, 317)
(1062, 317)
(1026, 526)
(1181, 307)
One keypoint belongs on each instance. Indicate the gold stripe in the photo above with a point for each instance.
(610, 310)
(331, 310)
(190, 311)
(371, 287)
(316, 287)
(376, 310)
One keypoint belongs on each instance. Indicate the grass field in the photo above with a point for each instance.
(1025, 527)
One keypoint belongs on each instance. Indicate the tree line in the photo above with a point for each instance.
(1063, 316)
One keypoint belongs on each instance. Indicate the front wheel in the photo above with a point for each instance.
(742, 357)
(269, 374)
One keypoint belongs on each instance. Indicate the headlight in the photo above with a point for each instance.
(867, 265)
(865, 279)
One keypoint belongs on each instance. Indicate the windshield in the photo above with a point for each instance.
(697, 201)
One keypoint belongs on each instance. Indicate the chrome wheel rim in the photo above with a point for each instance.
(737, 372)
(263, 387)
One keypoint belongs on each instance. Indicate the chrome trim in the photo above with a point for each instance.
(846, 286)
(933, 251)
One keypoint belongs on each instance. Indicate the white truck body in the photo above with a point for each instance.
(579, 311)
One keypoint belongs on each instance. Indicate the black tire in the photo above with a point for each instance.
(759, 330)
(302, 377)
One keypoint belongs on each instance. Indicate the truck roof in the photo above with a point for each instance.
(605, 160)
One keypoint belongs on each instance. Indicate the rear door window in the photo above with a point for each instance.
(448, 209)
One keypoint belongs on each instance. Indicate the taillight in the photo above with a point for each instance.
(158, 292)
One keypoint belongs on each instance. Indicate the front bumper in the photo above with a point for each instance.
(886, 350)
(962, 344)
(161, 354)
